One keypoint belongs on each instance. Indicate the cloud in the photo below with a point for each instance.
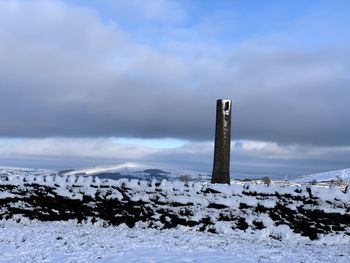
(64, 71)
(168, 11)
(250, 159)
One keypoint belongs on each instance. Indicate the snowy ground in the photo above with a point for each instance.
(32, 241)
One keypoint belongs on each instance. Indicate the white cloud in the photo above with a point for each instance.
(249, 158)
(153, 10)
(99, 148)
(272, 150)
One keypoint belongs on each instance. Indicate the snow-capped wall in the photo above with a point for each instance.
(310, 211)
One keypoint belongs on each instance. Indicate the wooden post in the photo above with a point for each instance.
(221, 167)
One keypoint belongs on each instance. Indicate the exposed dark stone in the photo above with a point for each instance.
(210, 190)
(258, 224)
(217, 206)
(242, 224)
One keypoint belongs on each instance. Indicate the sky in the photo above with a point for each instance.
(86, 83)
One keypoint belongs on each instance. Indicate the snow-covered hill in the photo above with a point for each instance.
(325, 177)
(148, 172)
(126, 170)
(25, 171)
(138, 171)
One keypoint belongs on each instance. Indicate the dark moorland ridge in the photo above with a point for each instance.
(309, 211)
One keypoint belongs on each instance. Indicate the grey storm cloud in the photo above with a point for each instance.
(63, 72)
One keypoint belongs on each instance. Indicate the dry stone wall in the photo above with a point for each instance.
(309, 211)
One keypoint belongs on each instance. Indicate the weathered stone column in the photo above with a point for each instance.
(221, 167)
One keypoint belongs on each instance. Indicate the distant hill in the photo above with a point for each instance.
(126, 170)
(138, 171)
(25, 171)
(325, 177)
(149, 172)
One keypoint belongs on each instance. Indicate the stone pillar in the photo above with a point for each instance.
(221, 167)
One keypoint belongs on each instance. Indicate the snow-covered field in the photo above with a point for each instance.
(33, 241)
